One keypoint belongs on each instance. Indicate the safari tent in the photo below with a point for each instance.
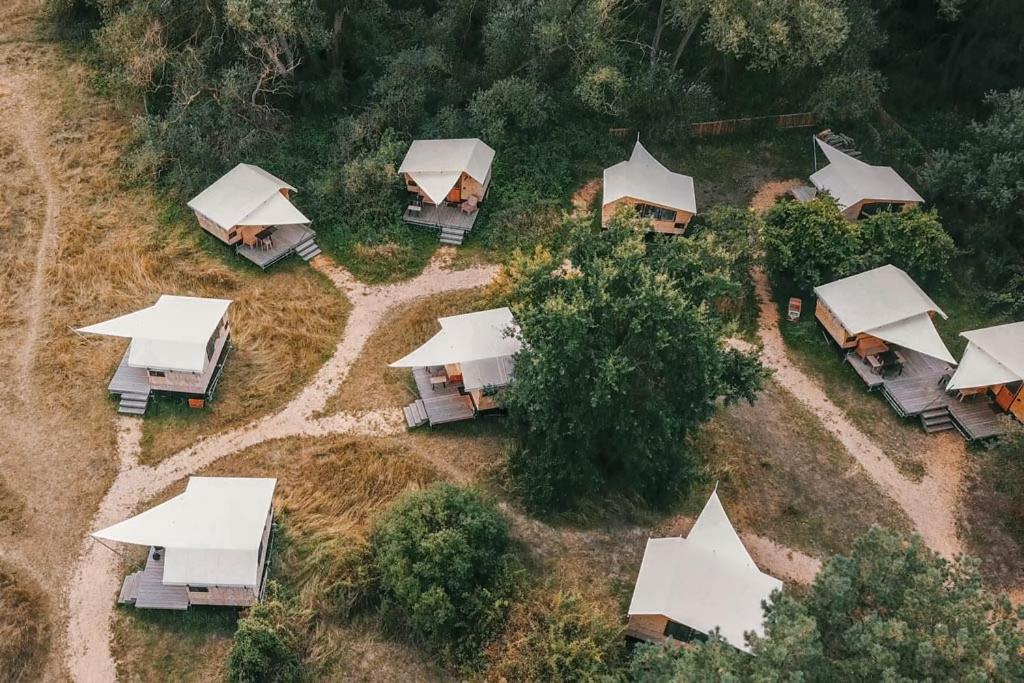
(251, 209)
(872, 310)
(207, 546)
(456, 369)
(860, 188)
(993, 362)
(664, 197)
(688, 587)
(448, 181)
(178, 346)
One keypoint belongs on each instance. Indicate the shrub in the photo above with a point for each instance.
(24, 627)
(510, 107)
(444, 560)
(810, 242)
(912, 240)
(557, 636)
(259, 653)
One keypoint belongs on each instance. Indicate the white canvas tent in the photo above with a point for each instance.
(211, 532)
(172, 334)
(851, 181)
(886, 303)
(247, 195)
(644, 179)
(705, 581)
(483, 343)
(994, 355)
(436, 165)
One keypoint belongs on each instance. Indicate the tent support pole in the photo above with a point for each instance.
(116, 552)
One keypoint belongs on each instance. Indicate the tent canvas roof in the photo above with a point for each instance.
(172, 334)
(247, 195)
(212, 531)
(994, 355)
(887, 303)
(645, 179)
(465, 338)
(436, 165)
(850, 180)
(705, 581)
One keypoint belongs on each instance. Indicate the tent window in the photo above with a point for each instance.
(683, 633)
(655, 212)
(210, 345)
(157, 373)
(198, 589)
(879, 207)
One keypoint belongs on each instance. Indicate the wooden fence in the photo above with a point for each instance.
(725, 126)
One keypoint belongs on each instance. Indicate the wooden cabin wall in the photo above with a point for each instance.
(1017, 407)
(667, 227)
(247, 233)
(649, 627)
(226, 236)
(852, 213)
(471, 188)
(834, 327)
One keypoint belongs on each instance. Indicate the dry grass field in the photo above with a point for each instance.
(76, 246)
(24, 626)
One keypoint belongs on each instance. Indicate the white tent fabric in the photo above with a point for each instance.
(704, 581)
(886, 301)
(994, 355)
(172, 334)
(211, 532)
(644, 179)
(244, 190)
(436, 165)
(850, 180)
(490, 372)
(464, 338)
(275, 211)
(917, 333)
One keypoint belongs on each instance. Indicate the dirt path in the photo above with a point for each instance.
(96, 578)
(932, 503)
(20, 119)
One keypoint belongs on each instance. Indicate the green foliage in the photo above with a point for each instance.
(810, 242)
(557, 636)
(891, 610)
(264, 646)
(848, 96)
(1007, 454)
(912, 240)
(445, 563)
(621, 362)
(510, 108)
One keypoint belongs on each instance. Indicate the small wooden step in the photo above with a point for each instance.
(129, 589)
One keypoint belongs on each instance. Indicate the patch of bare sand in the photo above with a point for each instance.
(768, 193)
(583, 198)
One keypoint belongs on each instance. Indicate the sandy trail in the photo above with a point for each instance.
(96, 576)
(20, 119)
(932, 503)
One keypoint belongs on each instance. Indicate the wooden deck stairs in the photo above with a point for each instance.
(415, 414)
(307, 249)
(937, 420)
(133, 403)
(452, 236)
(129, 589)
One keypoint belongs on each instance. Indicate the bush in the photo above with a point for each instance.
(557, 637)
(810, 242)
(445, 563)
(912, 240)
(260, 653)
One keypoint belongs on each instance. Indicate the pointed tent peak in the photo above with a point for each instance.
(715, 533)
(837, 156)
(994, 355)
(640, 155)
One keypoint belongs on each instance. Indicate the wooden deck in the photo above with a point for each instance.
(129, 380)
(438, 404)
(919, 392)
(145, 589)
(287, 239)
(441, 217)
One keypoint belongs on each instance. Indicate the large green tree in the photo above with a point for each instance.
(621, 362)
(890, 610)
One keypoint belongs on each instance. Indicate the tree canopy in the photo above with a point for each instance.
(623, 359)
(890, 610)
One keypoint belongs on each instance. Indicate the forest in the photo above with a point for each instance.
(330, 93)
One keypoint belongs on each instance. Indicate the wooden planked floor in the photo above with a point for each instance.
(450, 408)
(441, 216)
(129, 380)
(153, 593)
